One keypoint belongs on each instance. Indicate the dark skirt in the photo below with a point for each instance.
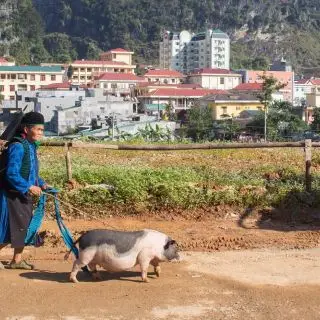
(20, 215)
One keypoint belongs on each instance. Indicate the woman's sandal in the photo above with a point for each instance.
(21, 265)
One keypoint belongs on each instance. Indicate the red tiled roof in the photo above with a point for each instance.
(315, 82)
(120, 76)
(170, 85)
(212, 71)
(302, 81)
(119, 50)
(164, 73)
(100, 62)
(189, 85)
(56, 86)
(2, 59)
(249, 86)
(172, 92)
(63, 85)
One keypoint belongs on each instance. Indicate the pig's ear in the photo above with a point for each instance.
(169, 243)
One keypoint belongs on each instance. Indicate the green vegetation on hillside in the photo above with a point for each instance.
(62, 30)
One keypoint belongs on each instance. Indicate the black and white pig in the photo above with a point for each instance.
(119, 250)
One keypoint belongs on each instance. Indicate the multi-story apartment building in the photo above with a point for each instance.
(185, 52)
(27, 78)
(117, 60)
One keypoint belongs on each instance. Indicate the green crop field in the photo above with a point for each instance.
(254, 178)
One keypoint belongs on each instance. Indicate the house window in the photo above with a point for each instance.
(173, 80)
(224, 110)
(53, 77)
(32, 77)
(11, 97)
(221, 80)
(2, 88)
(12, 88)
(82, 69)
(32, 88)
(3, 76)
(43, 77)
(237, 108)
(13, 76)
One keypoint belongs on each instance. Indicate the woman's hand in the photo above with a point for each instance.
(35, 191)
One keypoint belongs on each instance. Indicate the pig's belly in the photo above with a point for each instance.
(114, 263)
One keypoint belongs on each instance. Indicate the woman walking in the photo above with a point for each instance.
(19, 183)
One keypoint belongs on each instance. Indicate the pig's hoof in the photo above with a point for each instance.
(96, 276)
(157, 271)
(73, 279)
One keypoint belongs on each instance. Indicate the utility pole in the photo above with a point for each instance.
(265, 120)
(112, 126)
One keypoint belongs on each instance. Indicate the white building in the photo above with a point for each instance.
(185, 52)
(302, 88)
(27, 78)
(208, 78)
(164, 76)
(66, 109)
(117, 83)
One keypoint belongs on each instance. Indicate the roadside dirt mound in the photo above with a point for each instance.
(207, 234)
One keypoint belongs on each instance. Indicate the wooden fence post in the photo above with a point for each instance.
(68, 162)
(308, 156)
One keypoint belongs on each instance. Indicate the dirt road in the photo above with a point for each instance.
(269, 280)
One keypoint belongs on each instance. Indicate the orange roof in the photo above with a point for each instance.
(173, 92)
(57, 86)
(120, 76)
(249, 86)
(2, 59)
(164, 73)
(100, 62)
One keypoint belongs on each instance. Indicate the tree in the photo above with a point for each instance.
(200, 123)
(270, 85)
(70, 72)
(315, 125)
(282, 122)
(60, 47)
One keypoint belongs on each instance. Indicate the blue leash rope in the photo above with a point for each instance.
(36, 221)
